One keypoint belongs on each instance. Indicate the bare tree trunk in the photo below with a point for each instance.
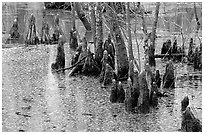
(120, 48)
(144, 28)
(99, 35)
(196, 17)
(146, 77)
(138, 48)
(73, 15)
(82, 16)
(130, 52)
(152, 61)
(93, 18)
(153, 35)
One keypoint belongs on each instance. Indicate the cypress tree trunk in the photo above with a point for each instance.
(73, 15)
(99, 35)
(196, 17)
(152, 61)
(131, 57)
(82, 16)
(122, 64)
(93, 18)
(146, 77)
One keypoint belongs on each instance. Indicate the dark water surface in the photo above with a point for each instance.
(35, 99)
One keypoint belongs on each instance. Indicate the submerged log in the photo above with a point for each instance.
(178, 55)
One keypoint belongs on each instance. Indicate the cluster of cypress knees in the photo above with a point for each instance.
(83, 61)
(31, 36)
(194, 55)
(137, 83)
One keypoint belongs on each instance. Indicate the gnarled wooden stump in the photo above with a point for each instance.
(168, 78)
(31, 37)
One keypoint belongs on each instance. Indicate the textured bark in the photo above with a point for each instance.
(189, 122)
(82, 16)
(144, 28)
(149, 49)
(137, 44)
(60, 59)
(93, 19)
(45, 36)
(144, 93)
(196, 17)
(122, 65)
(99, 35)
(154, 27)
(14, 30)
(131, 57)
(128, 97)
(152, 61)
(31, 37)
(57, 29)
(114, 92)
(73, 17)
(168, 78)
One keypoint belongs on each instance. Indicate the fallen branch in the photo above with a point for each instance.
(168, 55)
(63, 69)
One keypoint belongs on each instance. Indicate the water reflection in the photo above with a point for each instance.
(57, 102)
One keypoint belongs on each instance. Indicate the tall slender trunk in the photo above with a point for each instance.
(137, 44)
(144, 29)
(152, 61)
(154, 27)
(196, 17)
(73, 17)
(99, 35)
(93, 19)
(130, 52)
